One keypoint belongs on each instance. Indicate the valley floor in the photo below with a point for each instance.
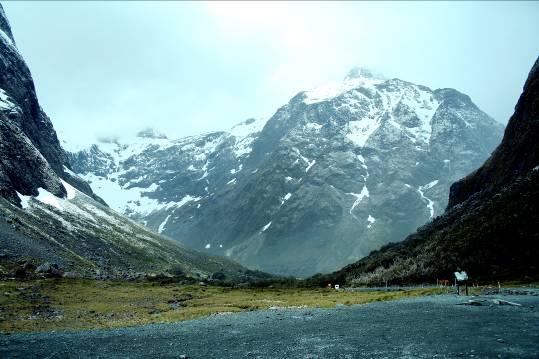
(66, 304)
(421, 327)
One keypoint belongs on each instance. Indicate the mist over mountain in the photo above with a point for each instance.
(335, 173)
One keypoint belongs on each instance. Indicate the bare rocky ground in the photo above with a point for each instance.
(426, 327)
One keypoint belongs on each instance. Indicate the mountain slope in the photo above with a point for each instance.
(337, 172)
(89, 239)
(49, 214)
(491, 226)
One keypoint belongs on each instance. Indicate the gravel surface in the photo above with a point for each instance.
(427, 327)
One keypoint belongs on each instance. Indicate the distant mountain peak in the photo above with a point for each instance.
(151, 133)
(363, 73)
(357, 77)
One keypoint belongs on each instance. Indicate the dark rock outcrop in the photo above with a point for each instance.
(31, 155)
(516, 155)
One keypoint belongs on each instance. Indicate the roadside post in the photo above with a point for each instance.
(461, 278)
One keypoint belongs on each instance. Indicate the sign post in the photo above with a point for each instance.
(461, 278)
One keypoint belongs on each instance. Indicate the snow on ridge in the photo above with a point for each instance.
(312, 163)
(371, 221)
(359, 197)
(334, 89)
(5, 103)
(425, 105)
(71, 192)
(312, 126)
(244, 133)
(266, 227)
(305, 159)
(247, 128)
(161, 227)
(132, 199)
(359, 131)
(367, 114)
(46, 197)
(430, 203)
(286, 198)
(24, 200)
(8, 40)
(430, 185)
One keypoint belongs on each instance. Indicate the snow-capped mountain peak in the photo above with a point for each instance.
(354, 164)
(151, 133)
(363, 73)
(356, 78)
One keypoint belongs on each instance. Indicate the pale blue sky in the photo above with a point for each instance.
(104, 68)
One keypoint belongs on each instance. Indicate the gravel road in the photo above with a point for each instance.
(427, 327)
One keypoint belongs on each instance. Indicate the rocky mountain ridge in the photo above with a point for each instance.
(491, 226)
(335, 173)
(49, 216)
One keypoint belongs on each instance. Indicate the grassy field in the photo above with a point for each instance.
(50, 304)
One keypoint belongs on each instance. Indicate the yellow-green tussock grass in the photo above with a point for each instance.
(41, 305)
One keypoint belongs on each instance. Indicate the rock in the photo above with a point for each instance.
(49, 269)
(19, 273)
(71, 275)
(472, 302)
(505, 302)
(43, 268)
(29, 266)
(218, 276)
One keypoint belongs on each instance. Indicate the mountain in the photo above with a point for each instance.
(31, 153)
(50, 218)
(335, 173)
(491, 225)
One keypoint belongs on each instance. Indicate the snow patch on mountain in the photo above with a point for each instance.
(24, 200)
(245, 135)
(359, 197)
(6, 104)
(6, 39)
(331, 90)
(430, 203)
(163, 224)
(266, 227)
(361, 130)
(371, 221)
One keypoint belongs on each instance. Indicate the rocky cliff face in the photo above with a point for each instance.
(491, 226)
(49, 214)
(516, 155)
(31, 154)
(337, 172)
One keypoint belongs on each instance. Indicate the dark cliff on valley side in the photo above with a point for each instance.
(491, 225)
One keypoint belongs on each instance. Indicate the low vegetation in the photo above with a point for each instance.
(493, 236)
(60, 304)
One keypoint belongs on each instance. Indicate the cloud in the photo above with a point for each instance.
(184, 68)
